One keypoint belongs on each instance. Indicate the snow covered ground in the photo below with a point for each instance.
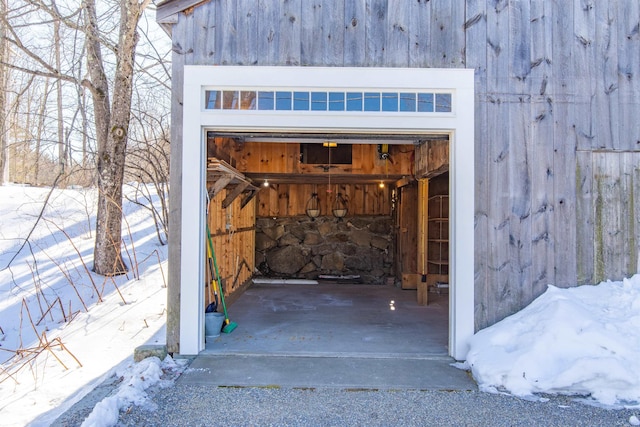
(581, 341)
(47, 289)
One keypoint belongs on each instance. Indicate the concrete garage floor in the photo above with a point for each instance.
(332, 335)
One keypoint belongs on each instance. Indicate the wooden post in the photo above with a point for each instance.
(423, 235)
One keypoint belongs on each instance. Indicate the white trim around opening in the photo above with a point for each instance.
(459, 125)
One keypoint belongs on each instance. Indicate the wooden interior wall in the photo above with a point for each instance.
(268, 157)
(556, 85)
(233, 236)
(280, 200)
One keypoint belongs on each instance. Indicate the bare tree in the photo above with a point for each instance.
(3, 94)
(110, 85)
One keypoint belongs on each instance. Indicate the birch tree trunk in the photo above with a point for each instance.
(112, 126)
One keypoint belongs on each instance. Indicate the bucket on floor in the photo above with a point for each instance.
(213, 324)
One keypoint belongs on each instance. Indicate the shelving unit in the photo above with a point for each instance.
(438, 241)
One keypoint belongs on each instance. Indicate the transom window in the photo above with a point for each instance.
(266, 100)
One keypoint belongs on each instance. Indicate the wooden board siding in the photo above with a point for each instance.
(283, 200)
(557, 107)
(233, 236)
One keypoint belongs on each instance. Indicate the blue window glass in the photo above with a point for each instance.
(212, 99)
(389, 101)
(372, 101)
(443, 102)
(265, 100)
(283, 100)
(354, 101)
(301, 101)
(336, 101)
(425, 102)
(407, 102)
(319, 101)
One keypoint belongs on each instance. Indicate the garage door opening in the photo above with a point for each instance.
(349, 239)
(365, 108)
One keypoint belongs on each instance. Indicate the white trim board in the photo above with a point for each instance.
(459, 125)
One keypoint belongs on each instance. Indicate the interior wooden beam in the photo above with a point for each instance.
(234, 193)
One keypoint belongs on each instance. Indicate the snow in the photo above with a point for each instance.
(582, 341)
(103, 336)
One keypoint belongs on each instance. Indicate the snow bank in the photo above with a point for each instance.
(136, 379)
(578, 341)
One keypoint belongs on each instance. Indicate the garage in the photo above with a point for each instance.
(346, 182)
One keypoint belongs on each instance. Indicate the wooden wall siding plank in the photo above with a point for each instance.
(268, 33)
(247, 32)
(311, 45)
(226, 39)
(283, 200)
(419, 32)
(502, 294)
(520, 189)
(610, 256)
(585, 218)
(397, 41)
(607, 135)
(333, 33)
(290, 30)
(520, 46)
(354, 33)
(447, 36)
(634, 220)
(475, 30)
(629, 76)
(564, 183)
(628, 216)
(376, 20)
(541, 149)
(584, 56)
(499, 299)
(520, 183)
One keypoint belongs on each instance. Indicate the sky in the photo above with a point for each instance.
(582, 342)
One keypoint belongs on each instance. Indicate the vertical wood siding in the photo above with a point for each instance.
(557, 107)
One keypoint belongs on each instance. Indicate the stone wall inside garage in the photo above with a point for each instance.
(297, 247)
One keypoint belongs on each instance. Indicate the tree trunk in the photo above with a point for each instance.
(3, 99)
(112, 126)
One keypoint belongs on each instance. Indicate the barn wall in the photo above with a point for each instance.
(557, 102)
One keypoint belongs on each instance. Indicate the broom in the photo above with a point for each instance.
(229, 326)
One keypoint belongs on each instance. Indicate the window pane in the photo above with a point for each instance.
(407, 102)
(247, 100)
(212, 99)
(389, 102)
(230, 99)
(372, 101)
(425, 102)
(443, 102)
(354, 101)
(283, 100)
(319, 101)
(336, 101)
(265, 100)
(301, 101)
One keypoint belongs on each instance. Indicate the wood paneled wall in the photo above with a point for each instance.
(557, 109)
(233, 236)
(281, 200)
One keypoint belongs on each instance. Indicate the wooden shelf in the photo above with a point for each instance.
(222, 175)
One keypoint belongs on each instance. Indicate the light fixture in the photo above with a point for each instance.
(265, 183)
(330, 144)
(313, 207)
(381, 185)
(340, 207)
